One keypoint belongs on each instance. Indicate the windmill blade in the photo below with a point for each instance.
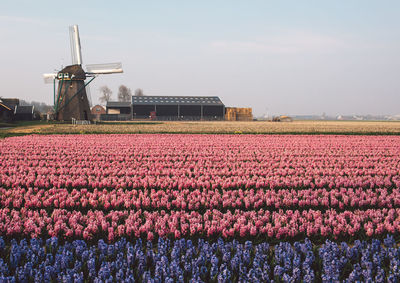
(107, 68)
(75, 42)
(49, 78)
(89, 96)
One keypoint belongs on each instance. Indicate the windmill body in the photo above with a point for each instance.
(72, 100)
(70, 97)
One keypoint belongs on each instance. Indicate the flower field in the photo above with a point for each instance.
(166, 208)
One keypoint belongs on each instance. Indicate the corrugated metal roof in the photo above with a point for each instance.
(10, 102)
(118, 104)
(181, 100)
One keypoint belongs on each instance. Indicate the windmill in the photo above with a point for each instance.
(70, 97)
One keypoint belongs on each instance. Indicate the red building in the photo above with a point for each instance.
(96, 111)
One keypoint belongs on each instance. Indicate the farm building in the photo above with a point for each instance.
(178, 107)
(25, 113)
(96, 111)
(6, 111)
(11, 110)
(117, 111)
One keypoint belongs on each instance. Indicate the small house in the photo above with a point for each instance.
(97, 111)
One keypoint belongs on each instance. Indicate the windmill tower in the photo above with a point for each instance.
(70, 97)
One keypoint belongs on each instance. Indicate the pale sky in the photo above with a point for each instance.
(278, 57)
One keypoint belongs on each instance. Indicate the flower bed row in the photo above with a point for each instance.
(200, 161)
(167, 199)
(212, 223)
(199, 261)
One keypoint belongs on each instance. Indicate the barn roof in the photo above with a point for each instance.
(10, 102)
(5, 106)
(97, 106)
(118, 104)
(181, 100)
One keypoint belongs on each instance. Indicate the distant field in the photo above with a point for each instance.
(224, 127)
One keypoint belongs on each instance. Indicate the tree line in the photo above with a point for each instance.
(124, 93)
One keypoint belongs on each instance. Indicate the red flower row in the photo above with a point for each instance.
(263, 223)
(185, 199)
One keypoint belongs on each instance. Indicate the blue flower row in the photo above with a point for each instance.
(183, 260)
(361, 262)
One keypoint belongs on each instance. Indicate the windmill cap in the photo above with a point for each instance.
(75, 72)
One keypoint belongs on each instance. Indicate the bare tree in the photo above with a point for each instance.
(105, 94)
(124, 93)
(139, 92)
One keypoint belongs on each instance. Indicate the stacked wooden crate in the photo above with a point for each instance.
(238, 114)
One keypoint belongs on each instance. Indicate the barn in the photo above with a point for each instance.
(117, 111)
(11, 110)
(25, 113)
(178, 107)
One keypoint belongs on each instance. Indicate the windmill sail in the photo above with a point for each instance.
(109, 68)
(89, 95)
(49, 78)
(75, 42)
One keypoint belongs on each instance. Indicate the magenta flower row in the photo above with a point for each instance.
(138, 223)
(200, 161)
(185, 199)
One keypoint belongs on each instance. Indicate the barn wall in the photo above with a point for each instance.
(213, 111)
(179, 112)
(190, 110)
(142, 111)
(167, 110)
